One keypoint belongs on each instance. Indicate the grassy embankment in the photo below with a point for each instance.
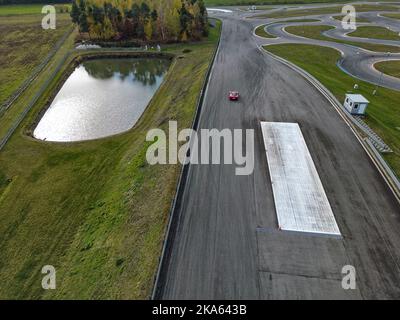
(383, 111)
(23, 9)
(326, 10)
(24, 44)
(95, 210)
(315, 32)
(391, 68)
(375, 33)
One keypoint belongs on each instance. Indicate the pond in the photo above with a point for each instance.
(100, 98)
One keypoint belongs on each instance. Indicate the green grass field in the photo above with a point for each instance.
(27, 9)
(391, 68)
(315, 32)
(304, 20)
(23, 45)
(262, 33)
(6, 10)
(81, 206)
(326, 10)
(383, 110)
(391, 15)
(260, 30)
(375, 33)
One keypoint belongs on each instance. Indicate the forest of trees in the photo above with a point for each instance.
(146, 20)
(32, 2)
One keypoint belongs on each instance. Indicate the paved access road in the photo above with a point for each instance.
(227, 244)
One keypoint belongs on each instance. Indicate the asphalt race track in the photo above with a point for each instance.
(356, 61)
(228, 245)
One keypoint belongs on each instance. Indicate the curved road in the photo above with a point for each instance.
(227, 244)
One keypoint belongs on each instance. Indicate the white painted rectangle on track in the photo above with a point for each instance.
(300, 200)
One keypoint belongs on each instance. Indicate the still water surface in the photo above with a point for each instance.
(101, 98)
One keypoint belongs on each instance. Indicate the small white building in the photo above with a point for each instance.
(355, 103)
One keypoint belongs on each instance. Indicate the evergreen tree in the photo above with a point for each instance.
(83, 23)
(154, 15)
(75, 13)
(185, 19)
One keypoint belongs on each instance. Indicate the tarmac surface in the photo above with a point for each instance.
(227, 243)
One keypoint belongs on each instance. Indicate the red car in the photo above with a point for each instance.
(233, 95)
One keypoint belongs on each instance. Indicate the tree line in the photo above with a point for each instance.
(146, 20)
(31, 2)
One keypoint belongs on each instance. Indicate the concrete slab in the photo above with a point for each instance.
(300, 200)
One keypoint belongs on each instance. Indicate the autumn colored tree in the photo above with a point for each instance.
(146, 20)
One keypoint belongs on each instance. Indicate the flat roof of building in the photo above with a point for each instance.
(357, 98)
